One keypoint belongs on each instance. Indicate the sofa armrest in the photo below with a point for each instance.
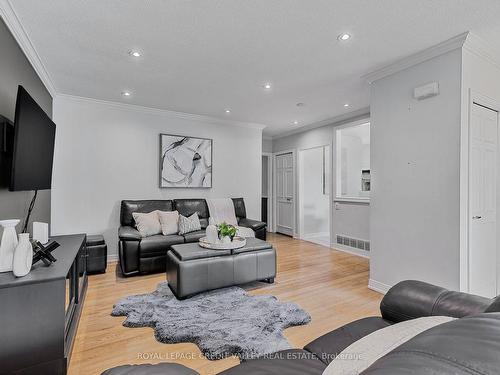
(127, 233)
(252, 224)
(412, 299)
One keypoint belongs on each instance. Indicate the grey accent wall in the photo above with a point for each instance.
(15, 70)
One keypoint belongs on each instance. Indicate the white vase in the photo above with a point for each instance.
(211, 234)
(23, 256)
(8, 244)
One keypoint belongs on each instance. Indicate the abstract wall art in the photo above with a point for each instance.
(185, 162)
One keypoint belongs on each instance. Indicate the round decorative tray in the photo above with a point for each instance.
(236, 244)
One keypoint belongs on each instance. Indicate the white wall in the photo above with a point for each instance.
(314, 204)
(415, 148)
(357, 215)
(108, 152)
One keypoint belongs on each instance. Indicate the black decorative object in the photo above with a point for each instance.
(43, 253)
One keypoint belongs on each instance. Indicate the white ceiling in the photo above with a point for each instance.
(202, 57)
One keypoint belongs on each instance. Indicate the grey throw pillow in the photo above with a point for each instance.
(189, 224)
(148, 224)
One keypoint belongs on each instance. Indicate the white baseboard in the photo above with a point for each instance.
(351, 250)
(112, 258)
(377, 286)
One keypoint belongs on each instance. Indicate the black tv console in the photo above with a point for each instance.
(39, 313)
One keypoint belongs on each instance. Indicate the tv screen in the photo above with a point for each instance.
(34, 136)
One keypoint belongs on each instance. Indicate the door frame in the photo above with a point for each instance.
(472, 97)
(294, 179)
(270, 191)
(299, 223)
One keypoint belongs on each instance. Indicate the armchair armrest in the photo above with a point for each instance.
(127, 233)
(412, 299)
(252, 224)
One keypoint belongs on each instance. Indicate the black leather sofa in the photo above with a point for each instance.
(466, 346)
(148, 255)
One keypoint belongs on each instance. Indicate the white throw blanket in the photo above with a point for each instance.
(222, 211)
(360, 355)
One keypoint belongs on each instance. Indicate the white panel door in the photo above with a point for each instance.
(482, 201)
(284, 194)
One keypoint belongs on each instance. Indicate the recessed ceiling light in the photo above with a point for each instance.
(344, 37)
(346, 105)
(135, 53)
(295, 122)
(300, 104)
(267, 85)
(227, 111)
(126, 93)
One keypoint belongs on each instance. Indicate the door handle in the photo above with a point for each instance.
(476, 217)
(289, 199)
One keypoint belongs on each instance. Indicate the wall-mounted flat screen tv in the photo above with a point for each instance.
(33, 151)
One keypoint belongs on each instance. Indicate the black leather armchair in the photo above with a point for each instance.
(148, 255)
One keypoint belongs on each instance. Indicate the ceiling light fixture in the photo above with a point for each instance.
(343, 37)
(126, 93)
(267, 86)
(346, 105)
(228, 111)
(135, 53)
(295, 122)
(300, 104)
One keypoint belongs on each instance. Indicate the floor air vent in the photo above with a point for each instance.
(353, 242)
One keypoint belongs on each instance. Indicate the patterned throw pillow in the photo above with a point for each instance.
(147, 224)
(189, 224)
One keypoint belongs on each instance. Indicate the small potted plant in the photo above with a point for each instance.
(226, 232)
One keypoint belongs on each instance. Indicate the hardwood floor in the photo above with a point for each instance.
(329, 284)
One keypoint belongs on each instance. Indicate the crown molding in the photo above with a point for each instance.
(482, 49)
(417, 58)
(16, 28)
(359, 114)
(162, 112)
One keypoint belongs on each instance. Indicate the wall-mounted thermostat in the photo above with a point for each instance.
(426, 91)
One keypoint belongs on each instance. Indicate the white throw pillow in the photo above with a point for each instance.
(169, 221)
(147, 224)
(361, 354)
(189, 224)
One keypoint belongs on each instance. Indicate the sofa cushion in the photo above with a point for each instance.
(144, 206)
(252, 224)
(464, 346)
(189, 224)
(361, 354)
(187, 207)
(147, 369)
(239, 208)
(148, 224)
(169, 222)
(158, 245)
(286, 362)
(194, 236)
(331, 344)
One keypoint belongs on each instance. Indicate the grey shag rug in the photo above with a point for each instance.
(222, 323)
